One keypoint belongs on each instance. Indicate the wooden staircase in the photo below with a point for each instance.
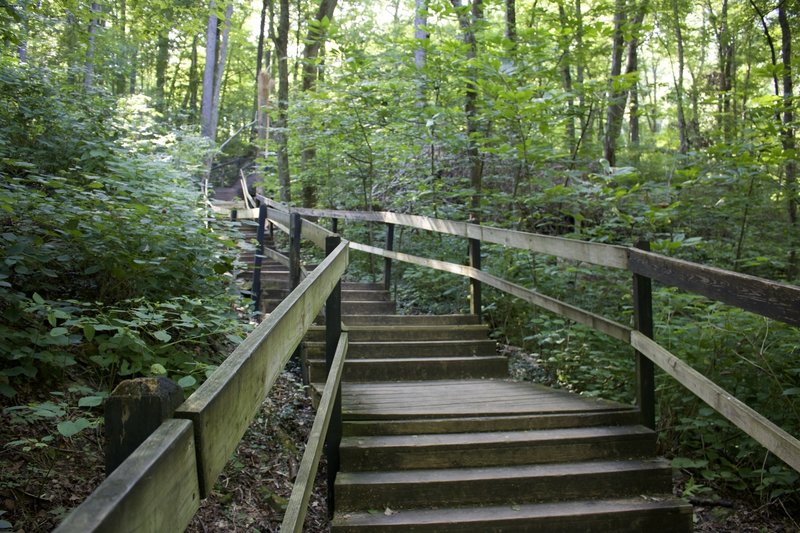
(436, 439)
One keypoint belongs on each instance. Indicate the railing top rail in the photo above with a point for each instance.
(222, 407)
(778, 301)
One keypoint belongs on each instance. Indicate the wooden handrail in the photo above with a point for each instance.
(764, 297)
(767, 298)
(304, 482)
(614, 329)
(223, 406)
(769, 435)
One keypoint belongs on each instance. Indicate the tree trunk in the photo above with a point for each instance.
(684, 143)
(122, 48)
(787, 137)
(422, 36)
(260, 64)
(632, 68)
(511, 22)
(162, 61)
(314, 40)
(468, 25)
(616, 96)
(726, 49)
(281, 137)
(584, 114)
(88, 79)
(191, 91)
(566, 76)
(206, 106)
(223, 54)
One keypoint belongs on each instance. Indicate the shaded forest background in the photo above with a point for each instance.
(612, 121)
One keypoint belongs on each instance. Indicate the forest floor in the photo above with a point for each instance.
(39, 484)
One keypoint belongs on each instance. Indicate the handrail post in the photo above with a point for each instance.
(643, 322)
(333, 330)
(262, 217)
(387, 262)
(295, 232)
(335, 225)
(474, 284)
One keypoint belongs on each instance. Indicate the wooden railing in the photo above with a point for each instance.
(767, 298)
(158, 488)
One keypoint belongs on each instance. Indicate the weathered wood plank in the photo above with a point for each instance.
(154, 490)
(315, 233)
(304, 482)
(769, 435)
(222, 408)
(276, 256)
(590, 252)
(767, 298)
(279, 217)
(609, 327)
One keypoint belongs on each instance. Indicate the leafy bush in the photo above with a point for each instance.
(107, 260)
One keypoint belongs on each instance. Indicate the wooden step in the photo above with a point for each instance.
(406, 333)
(360, 295)
(419, 426)
(414, 368)
(502, 448)
(663, 515)
(362, 286)
(368, 308)
(408, 320)
(410, 349)
(407, 489)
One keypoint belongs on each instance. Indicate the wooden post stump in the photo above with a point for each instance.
(134, 410)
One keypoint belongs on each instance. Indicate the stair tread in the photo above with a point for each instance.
(447, 475)
(394, 360)
(458, 440)
(484, 514)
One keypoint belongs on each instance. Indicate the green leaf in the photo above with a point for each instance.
(58, 332)
(187, 381)
(90, 401)
(162, 335)
(37, 298)
(792, 391)
(70, 428)
(158, 369)
(88, 332)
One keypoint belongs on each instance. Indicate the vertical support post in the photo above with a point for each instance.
(262, 217)
(295, 232)
(133, 411)
(474, 284)
(335, 225)
(643, 322)
(333, 330)
(387, 263)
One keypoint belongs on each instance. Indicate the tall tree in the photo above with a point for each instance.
(281, 39)
(94, 24)
(220, 69)
(214, 69)
(616, 94)
(422, 37)
(206, 106)
(788, 137)
(566, 76)
(468, 20)
(315, 38)
(682, 128)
